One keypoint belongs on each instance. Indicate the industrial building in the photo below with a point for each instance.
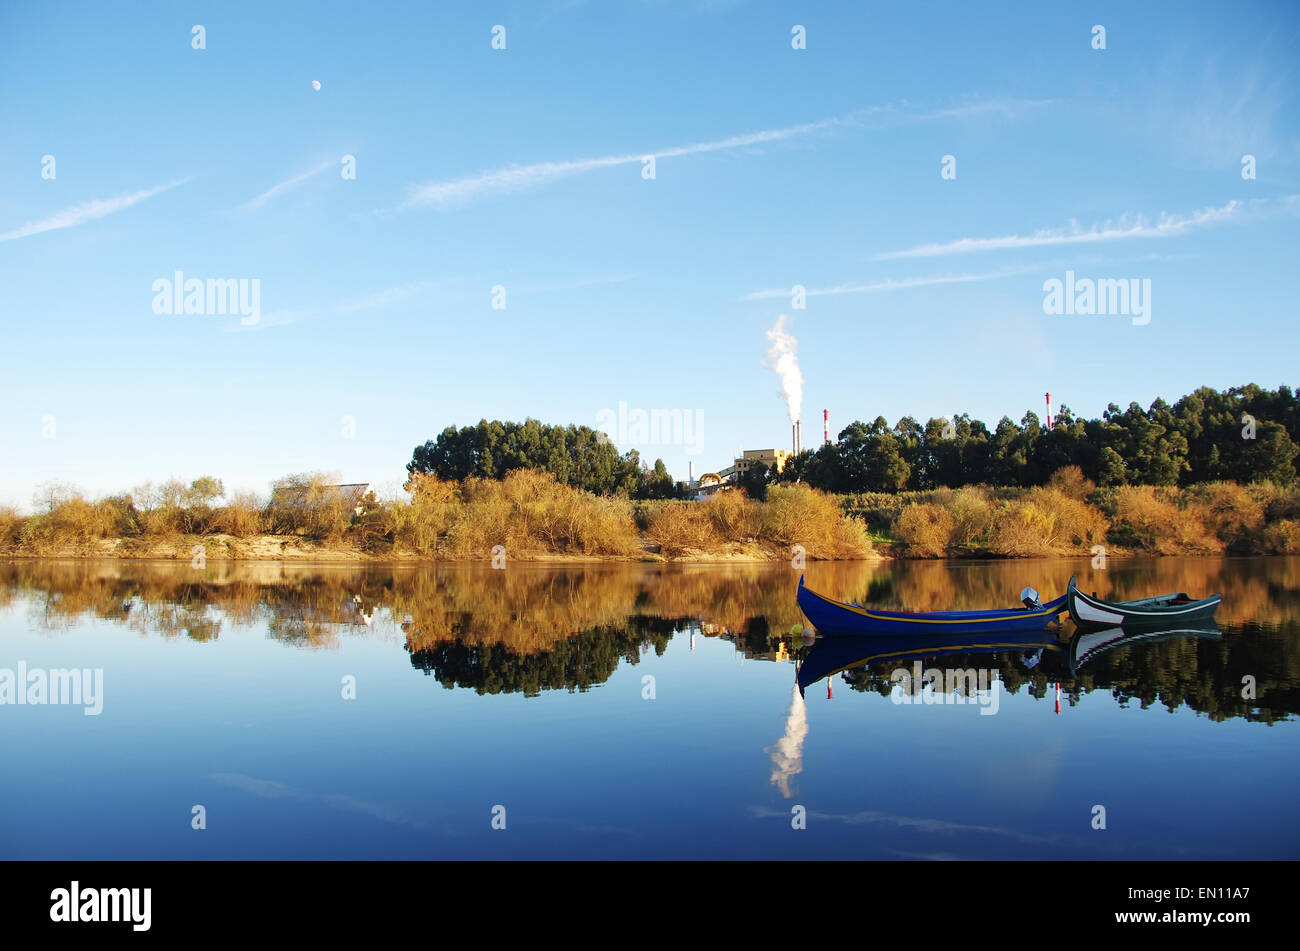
(772, 458)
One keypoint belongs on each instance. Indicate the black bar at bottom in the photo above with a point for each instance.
(335, 899)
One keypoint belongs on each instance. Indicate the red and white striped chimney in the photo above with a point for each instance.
(826, 426)
(1049, 410)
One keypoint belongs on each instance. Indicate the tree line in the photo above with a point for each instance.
(578, 456)
(1244, 434)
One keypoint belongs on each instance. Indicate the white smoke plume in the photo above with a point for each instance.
(782, 357)
(787, 754)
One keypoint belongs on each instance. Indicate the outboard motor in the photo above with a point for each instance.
(1029, 598)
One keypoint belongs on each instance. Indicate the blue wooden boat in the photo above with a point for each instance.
(833, 655)
(839, 619)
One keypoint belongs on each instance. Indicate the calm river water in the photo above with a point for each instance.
(630, 711)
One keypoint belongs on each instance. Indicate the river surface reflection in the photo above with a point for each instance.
(637, 711)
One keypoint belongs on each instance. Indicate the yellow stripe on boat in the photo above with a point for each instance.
(912, 619)
(956, 649)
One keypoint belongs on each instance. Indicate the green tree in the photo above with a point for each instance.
(872, 458)
(755, 481)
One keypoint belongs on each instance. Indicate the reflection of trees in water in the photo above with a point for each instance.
(1203, 674)
(525, 609)
(534, 627)
(193, 619)
(1264, 590)
(304, 607)
(1206, 675)
(576, 663)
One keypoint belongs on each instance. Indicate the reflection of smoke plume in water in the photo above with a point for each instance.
(782, 356)
(787, 754)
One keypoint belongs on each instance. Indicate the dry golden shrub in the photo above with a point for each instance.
(679, 528)
(800, 515)
(241, 516)
(1021, 530)
(530, 512)
(1070, 481)
(926, 529)
(429, 514)
(941, 496)
(159, 508)
(972, 514)
(851, 539)
(606, 526)
(483, 521)
(1281, 537)
(791, 516)
(1079, 525)
(1045, 521)
(1157, 524)
(735, 516)
(1232, 512)
(10, 525)
(1283, 503)
(562, 518)
(67, 518)
(309, 504)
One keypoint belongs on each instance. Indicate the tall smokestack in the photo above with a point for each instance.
(826, 426)
(690, 479)
(798, 436)
(1049, 410)
(794, 437)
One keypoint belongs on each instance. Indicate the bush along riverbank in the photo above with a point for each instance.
(528, 515)
(1072, 516)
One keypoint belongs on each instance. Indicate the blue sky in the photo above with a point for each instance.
(522, 168)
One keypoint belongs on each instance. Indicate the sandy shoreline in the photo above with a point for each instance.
(288, 548)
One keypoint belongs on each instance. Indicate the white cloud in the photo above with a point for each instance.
(390, 295)
(456, 191)
(892, 284)
(256, 203)
(1206, 109)
(87, 211)
(273, 789)
(459, 190)
(1127, 227)
(374, 301)
(572, 285)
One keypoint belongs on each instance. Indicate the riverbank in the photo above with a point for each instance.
(1072, 516)
(529, 516)
(293, 549)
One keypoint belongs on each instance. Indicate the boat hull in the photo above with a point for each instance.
(1166, 610)
(1088, 644)
(840, 619)
(832, 655)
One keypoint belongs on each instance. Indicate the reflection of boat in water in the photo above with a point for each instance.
(1162, 611)
(839, 618)
(1086, 645)
(830, 656)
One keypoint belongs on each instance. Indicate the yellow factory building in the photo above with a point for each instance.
(772, 458)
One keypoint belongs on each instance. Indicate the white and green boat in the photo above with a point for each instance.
(1088, 644)
(1166, 610)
